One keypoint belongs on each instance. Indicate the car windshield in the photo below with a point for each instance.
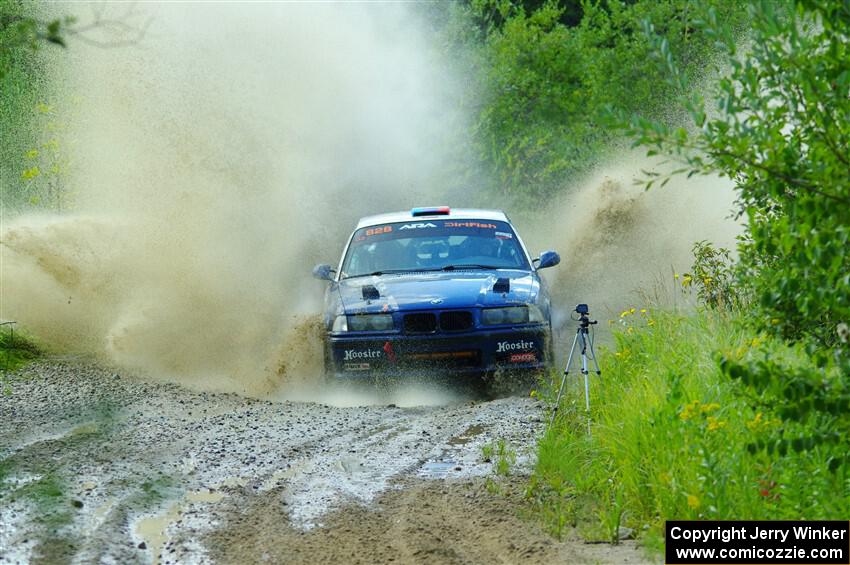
(433, 245)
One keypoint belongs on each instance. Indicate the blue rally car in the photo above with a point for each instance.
(446, 292)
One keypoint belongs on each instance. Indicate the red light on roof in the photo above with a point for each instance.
(433, 211)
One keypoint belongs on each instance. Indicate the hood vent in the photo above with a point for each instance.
(503, 285)
(370, 292)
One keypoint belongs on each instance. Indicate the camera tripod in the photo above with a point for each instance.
(585, 341)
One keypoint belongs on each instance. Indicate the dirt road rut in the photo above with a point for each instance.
(100, 467)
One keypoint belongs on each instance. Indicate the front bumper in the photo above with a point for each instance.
(471, 352)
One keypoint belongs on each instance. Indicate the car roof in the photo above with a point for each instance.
(454, 214)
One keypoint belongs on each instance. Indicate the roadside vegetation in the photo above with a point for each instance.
(33, 162)
(674, 437)
(544, 75)
(16, 349)
(34, 153)
(740, 408)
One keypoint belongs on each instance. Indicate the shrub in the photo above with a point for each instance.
(672, 437)
(782, 132)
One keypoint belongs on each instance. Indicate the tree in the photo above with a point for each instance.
(20, 27)
(546, 70)
(782, 132)
(32, 161)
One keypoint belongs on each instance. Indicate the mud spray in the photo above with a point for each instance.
(235, 146)
(620, 244)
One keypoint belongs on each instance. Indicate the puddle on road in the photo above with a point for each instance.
(468, 435)
(102, 510)
(234, 482)
(447, 464)
(351, 465)
(437, 469)
(20, 480)
(204, 496)
(292, 470)
(153, 530)
(86, 428)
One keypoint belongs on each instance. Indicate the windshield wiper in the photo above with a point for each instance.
(422, 270)
(387, 272)
(375, 273)
(469, 266)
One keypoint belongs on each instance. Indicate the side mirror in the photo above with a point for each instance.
(547, 259)
(323, 272)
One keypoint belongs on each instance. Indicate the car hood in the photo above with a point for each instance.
(419, 291)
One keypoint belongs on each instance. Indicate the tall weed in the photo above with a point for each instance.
(674, 437)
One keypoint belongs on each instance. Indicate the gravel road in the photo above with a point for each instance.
(96, 466)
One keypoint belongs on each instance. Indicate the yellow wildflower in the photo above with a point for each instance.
(650, 322)
(714, 424)
(624, 313)
(710, 407)
(686, 280)
(643, 310)
(693, 501)
(689, 410)
(30, 173)
(756, 422)
(631, 311)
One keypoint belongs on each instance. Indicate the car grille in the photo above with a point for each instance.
(420, 323)
(457, 321)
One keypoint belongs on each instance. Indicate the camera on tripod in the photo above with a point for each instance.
(583, 312)
(584, 342)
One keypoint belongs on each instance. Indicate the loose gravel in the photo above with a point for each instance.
(96, 466)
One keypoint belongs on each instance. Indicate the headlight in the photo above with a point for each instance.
(340, 324)
(535, 314)
(370, 323)
(512, 315)
(509, 315)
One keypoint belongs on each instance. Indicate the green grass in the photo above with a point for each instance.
(672, 438)
(501, 456)
(16, 350)
(48, 496)
(50, 465)
(33, 155)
